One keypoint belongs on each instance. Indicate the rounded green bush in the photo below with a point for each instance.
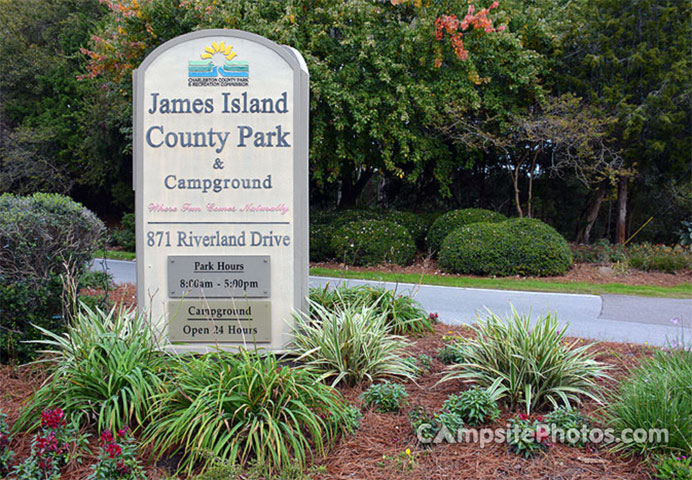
(348, 216)
(321, 243)
(369, 242)
(414, 223)
(520, 246)
(450, 221)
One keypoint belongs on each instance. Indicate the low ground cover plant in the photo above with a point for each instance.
(350, 344)
(117, 457)
(242, 407)
(452, 220)
(527, 437)
(529, 366)
(573, 427)
(385, 397)
(372, 242)
(5, 453)
(660, 258)
(520, 246)
(674, 467)
(453, 351)
(104, 371)
(124, 236)
(656, 394)
(475, 406)
(403, 313)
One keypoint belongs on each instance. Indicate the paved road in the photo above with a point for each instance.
(606, 317)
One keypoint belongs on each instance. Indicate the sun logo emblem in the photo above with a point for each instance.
(221, 48)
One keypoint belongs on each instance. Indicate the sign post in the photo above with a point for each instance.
(221, 181)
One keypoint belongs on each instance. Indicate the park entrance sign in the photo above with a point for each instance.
(220, 174)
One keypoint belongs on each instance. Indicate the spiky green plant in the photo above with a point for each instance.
(104, 370)
(352, 344)
(403, 313)
(242, 407)
(529, 366)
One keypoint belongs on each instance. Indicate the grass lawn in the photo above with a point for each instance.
(116, 254)
(683, 290)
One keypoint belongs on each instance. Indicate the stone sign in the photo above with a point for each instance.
(221, 181)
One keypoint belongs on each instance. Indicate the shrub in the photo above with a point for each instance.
(345, 217)
(521, 246)
(656, 394)
(674, 467)
(600, 252)
(117, 458)
(418, 365)
(369, 242)
(660, 258)
(105, 370)
(475, 406)
(452, 421)
(241, 407)
(321, 243)
(403, 313)
(352, 417)
(424, 424)
(450, 221)
(527, 437)
(570, 426)
(452, 352)
(385, 397)
(533, 367)
(125, 235)
(416, 226)
(351, 344)
(41, 233)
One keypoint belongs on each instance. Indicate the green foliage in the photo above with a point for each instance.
(528, 365)
(660, 258)
(527, 437)
(321, 243)
(685, 234)
(450, 221)
(117, 458)
(600, 252)
(403, 313)
(521, 246)
(450, 420)
(354, 243)
(452, 352)
(385, 397)
(424, 424)
(105, 370)
(42, 232)
(124, 236)
(569, 422)
(352, 417)
(242, 407)
(416, 226)
(475, 406)
(5, 453)
(350, 344)
(656, 395)
(674, 467)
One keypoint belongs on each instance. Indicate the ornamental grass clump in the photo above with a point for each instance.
(531, 367)
(352, 344)
(656, 395)
(404, 314)
(104, 370)
(243, 407)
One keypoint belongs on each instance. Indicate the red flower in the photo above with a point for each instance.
(113, 450)
(53, 419)
(106, 437)
(523, 416)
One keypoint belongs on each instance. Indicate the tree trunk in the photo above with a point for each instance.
(591, 214)
(621, 225)
(529, 203)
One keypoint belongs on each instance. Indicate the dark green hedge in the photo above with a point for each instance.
(450, 221)
(370, 242)
(521, 246)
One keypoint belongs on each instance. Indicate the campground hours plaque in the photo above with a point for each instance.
(220, 174)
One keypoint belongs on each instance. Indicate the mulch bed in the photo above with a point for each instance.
(360, 456)
(580, 272)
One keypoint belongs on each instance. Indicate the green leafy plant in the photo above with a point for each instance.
(569, 426)
(352, 416)
(527, 437)
(424, 424)
(413, 223)
(385, 397)
(475, 406)
(321, 243)
(660, 258)
(520, 246)
(657, 394)
(685, 233)
(403, 462)
(528, 365)
(403, 313)
(450, 221)
(600, 252)
(353, 243)
(452, 352)
(674, 467)
(418, 365)
(125, 235)
(5, 453)
(451, 421)
(352, 344)
(241, 407)
(105, 370)
(117, 458)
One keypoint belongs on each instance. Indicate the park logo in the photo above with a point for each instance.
(218, 67)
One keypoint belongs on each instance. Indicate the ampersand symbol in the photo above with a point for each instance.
(218, 164)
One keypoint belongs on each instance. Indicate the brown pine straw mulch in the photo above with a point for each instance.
(360, 456)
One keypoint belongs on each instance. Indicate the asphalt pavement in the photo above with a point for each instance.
(621, 318)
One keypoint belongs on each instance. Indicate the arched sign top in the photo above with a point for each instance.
(221, 182)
